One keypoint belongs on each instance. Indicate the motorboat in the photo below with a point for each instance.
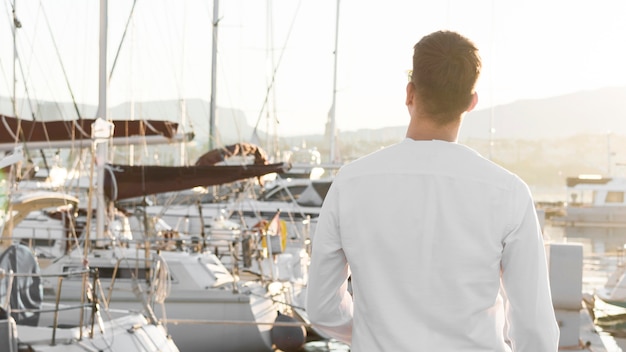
(596, 206)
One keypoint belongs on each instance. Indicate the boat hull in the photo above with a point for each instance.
(193, 294)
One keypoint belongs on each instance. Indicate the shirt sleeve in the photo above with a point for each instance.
(329, 305)
(530, 315)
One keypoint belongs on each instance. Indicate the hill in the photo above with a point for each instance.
(596, 111)
(599, 111)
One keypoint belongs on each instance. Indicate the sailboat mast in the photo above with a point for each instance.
(102, 113)
(16, 25)
(212, 132)
(332, 123)
(102, 76)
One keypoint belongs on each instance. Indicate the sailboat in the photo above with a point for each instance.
(203, 305)
(23, 308)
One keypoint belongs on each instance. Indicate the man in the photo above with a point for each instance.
(433, 235)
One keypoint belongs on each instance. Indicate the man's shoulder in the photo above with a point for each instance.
(372, 160)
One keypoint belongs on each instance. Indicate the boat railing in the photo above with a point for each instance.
(136, 271)
(57, 308)
(146, 268)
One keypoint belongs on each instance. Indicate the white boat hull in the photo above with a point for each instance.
(129, 332)
(197, 312)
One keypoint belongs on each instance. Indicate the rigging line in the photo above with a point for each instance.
(280, 58)
(119, 48)
(7, 127)
(13, 20)
(18, 58)
(232, 113)
(56, 48)
(31, 48)
(20, 131)
(27, 93)
(75, 127)
(34, 117)
(173, 36)
(30, 102)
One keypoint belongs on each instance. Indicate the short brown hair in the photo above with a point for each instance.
(446, 66)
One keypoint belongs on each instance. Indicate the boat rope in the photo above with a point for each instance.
(236, 322)
(20, 131)
(275, 70)
(290, 305)
(56, 49)
(108, 168)
(161, 284)
(119, 48)
(8, 128)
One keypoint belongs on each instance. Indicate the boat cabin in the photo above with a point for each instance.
(595, 190)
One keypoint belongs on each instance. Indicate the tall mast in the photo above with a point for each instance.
(332, 124)
(16, 25)
(101, 146)
(212, 131)
(102, 76)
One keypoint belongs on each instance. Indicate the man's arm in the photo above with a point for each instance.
(328, 303)
(531, 321)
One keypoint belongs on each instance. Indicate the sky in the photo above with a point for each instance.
(276, 57)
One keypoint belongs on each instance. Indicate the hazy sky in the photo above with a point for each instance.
(530, 49)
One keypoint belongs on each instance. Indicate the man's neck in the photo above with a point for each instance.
(424, 130)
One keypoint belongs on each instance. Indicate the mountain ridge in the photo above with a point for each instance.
(598, 111)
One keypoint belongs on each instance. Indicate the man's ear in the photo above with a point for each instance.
(410, 92)
(473, 103)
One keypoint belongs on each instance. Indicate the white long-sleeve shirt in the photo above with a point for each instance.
(431, 232)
